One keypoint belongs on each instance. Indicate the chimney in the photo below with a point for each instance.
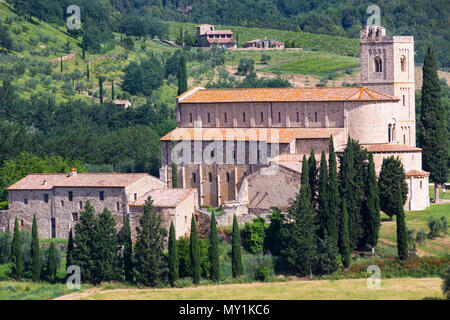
(73, 172)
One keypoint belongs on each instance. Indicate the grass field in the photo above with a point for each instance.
(441, 194)
(315, 64)
(418, 220)
(11, 290)
(391, 289)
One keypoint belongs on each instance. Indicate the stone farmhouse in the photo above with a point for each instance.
(243, 147)
(264, 44)
(207, 36)
(57, 200)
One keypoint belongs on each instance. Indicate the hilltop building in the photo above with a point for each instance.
(207, 36)
(245, 146)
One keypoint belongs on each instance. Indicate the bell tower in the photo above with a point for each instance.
(387, 66)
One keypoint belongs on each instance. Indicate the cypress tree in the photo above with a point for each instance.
(402, 234)
(214, 265)
(182, 76)
(344, 245)
(35, 256)
(84, 243)
(69, 254)
(299, 235)
(52, 264)
(149, 255)
(313, 182)
(106, 267)
(87, 72)
(61, 64)
(194, 252)
(273, 241)
(236, 254)
(112, 90)
(392, 175)
(372, 212)
(173, 256)
(323, 198)
(333, 195)
(16, 253)
(433, 134)
(128, 252)
(174, 175)
(100, 85)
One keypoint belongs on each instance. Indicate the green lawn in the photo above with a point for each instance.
(418, 220)
(355, 289)
(441, 194)
(13, 290)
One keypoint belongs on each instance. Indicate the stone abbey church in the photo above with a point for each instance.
(244, 147)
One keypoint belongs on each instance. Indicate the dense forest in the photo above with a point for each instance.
(428, 24)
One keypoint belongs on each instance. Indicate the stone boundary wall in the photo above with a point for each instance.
(4, 220)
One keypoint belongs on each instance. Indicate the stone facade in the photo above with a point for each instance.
(58, 199)
(380, 113)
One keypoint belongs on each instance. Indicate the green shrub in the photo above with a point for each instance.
(5, 247)
(262, 273)
(254, 265)
(437, 226)
(4, 205)
(253, 235)
(446, 283)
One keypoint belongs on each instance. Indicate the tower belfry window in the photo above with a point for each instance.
(378, 64)
(403, 63)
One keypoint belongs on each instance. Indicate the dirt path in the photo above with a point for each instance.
(78, 295)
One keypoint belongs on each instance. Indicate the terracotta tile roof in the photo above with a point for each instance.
(384, 147)
(165, 198)
(218, 32)
(417, 173)
(48, 181)
(202, 95)
(270, 135)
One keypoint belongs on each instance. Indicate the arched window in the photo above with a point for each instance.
(190, 117)
(393, 133)
(315, 116)
(403, 63)
(298, 117)
(243, 116)
(279, 117)
(194, 177)
(210, 177)
(262, 117)
(225, 116)
(228, 177)
(390, 133)
(378, 64)
(209, 117)
(404, 100)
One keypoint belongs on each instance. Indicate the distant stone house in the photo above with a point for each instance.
(58, 199)
(264, 44)
(207, 36)
(122, 103)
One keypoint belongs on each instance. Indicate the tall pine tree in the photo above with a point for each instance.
(299, 234)
(333, 195)
(16, 253)
(182, 76)
(107, 264)
(214, 265)
(372, 206)
(402, 234)
(313, 182)
(35, 256)
(196, 270)
(100, 89)
(323, 198)
(69, 253)
(149, 255)
(236, 250)
(173, 256)
(344, 240)
(433, 134)
(85, 242)
(52, 264)
(128, 252)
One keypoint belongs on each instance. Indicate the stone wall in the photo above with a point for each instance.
(4, 220)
